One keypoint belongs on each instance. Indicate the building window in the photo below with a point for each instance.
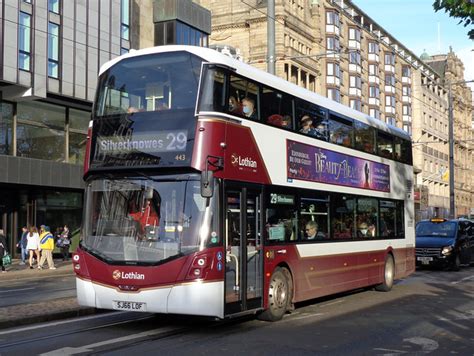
(389, 59)
(332, 18)
(355, 82)
(373, 69)
(332, 44)
(125, 15)
(333, 70)
(24, 47)
(406, 71)
(53, 50)
(407, 128)
(406, 90)
(334, 94)
(53, 6)
(78, 124)
(354, 58)
(6, 126)
(374, 91)
(406, 110)
(123, 50)
(40, 131)
(390, 80)
(354, 34)
(374, 113)
(355, 104)
(373, 47)
(389, 100)
(390, 120)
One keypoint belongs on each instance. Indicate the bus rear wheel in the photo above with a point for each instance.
(388, 275)
(279, 295)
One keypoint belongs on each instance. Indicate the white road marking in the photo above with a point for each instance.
(427, 345)
(16, 290)
(307, 316)
(332, 303)
(463, 280)
(91, 347)
(61, 322)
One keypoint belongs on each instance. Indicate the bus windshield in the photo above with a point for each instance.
(146, 221)
(149, 83)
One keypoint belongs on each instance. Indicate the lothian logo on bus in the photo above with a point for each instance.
(237, 160)
(130, 275)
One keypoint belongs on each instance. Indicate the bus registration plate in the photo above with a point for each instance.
(132, 306)
(425, 260)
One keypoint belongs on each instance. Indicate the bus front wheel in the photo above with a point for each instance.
(279, 295)
(388, 275)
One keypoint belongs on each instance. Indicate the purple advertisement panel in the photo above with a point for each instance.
(316, 164)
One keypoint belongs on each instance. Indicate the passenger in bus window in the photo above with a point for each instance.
(248, 108)
(286, 122)
(321, 132)
(275, 120)
(306, 123)
(311, 231)
(234, 106)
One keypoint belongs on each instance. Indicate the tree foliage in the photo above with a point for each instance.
(462, 9)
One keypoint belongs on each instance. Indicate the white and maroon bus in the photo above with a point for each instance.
(216, 189)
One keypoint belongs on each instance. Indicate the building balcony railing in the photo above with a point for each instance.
(353, 44)
(406, 99)
(390, 89)
(355, 68)
(333, 80)
(374, 101)
(390, 110)
(374, 79)
(389, 68)
(374, 57)
(355, 92)
(406, 118)
(406, 80)
(333, 29)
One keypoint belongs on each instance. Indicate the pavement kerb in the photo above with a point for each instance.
(24, 314)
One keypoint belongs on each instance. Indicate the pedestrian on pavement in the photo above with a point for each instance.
(32, 245)
(64, 241)
(3, 249)
(22, 245)
(47, 247)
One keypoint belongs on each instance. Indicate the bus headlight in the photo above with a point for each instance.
(447, 250)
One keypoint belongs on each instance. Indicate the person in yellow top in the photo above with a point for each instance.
(47, 247)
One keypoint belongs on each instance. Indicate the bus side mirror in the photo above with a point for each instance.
(207, 184)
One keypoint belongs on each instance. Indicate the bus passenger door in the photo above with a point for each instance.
(244, 262)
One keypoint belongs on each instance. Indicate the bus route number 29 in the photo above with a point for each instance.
(176, 141)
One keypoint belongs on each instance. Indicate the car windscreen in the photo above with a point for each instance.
(432, 229)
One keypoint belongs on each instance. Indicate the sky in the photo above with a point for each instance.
(414, 23)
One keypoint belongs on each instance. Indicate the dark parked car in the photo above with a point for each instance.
(442, 242)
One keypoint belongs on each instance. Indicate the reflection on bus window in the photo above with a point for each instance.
(281, 217)
(149, 83)
(340, 130)
(364, 137)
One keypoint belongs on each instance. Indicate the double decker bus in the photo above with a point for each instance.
(216, 189)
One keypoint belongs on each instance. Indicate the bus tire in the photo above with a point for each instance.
(388, 275)
(279, 295)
